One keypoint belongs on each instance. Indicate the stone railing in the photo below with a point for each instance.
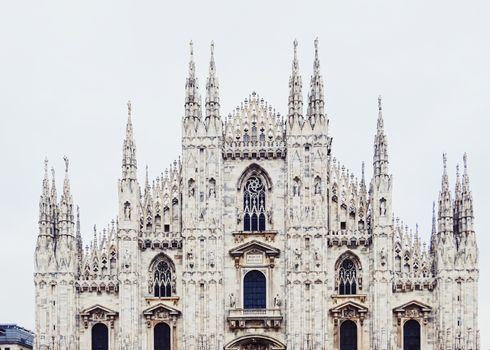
(254, 318)
(254, 149)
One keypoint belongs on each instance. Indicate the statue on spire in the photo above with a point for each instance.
(65, 159)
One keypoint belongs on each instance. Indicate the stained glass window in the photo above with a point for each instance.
(254, 205)
(347, 278)
(162, 278)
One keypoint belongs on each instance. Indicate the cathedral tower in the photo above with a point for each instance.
(56, 267)
(129, 194)
(382, 236)
(202, 225)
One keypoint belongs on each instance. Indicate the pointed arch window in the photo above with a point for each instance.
(162, 279)
(254, 205)
(347, 277)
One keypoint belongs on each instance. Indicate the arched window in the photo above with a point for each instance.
(162, 279)
(347, 277)
(254, 290)
(411, 335)
(348, 336)
(100, 337)
(161, 337)
(254, 205)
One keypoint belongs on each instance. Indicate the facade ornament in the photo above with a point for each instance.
(127, 259)
(127, 211)
(277, 301)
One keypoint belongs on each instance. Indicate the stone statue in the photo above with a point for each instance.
(277, 301)
(269, 216)
(238, 216)
(127, 211)
(127, 259)
(383, 257)
(232, 300)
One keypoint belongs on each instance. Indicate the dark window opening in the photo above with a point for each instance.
(254, 290)
(348, 336)
(161, 337)
(411, 335)
(100, 337)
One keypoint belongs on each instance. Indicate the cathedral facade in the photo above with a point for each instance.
(257, 238)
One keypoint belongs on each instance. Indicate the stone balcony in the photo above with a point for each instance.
(254, 318)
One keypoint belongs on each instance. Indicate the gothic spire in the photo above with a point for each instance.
(66, 183)
(192, 97)
(467, 198)
(380, 161)
(79, 243)
(363, 179)
(54, 194)
(433, 236)
(445, 204)
(213, 121)
(66, 203)
(458, 201)
(212, 89)
(129, 150)
(44, 202)
(316, 100)
(295, 91)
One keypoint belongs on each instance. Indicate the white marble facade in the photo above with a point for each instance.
(257, 238)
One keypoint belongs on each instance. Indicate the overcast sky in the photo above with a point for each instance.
(67, 69)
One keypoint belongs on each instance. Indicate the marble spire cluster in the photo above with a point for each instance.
(256, 198)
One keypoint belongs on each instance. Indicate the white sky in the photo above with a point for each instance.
(68, 68)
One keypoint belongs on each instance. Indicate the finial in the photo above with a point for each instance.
(379, 103)
(444, 161)
(316, 48)
(191, 48)
(65, 158)
(457, 171)
(129, 108)
(295, 45)
(46, 167)
(53, 173)
(212, 49)
(465, 162)
(362, 170)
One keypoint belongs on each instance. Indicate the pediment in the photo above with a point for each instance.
(161, 309)
(98, 309)
(349, 305)
(98, 313)
(267, 249)
(414, 304)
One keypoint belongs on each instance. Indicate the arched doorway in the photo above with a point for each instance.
(100, 337)
(255, 342)
(161, 337)
(254, 290)
(411, 335)
(348, 336)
